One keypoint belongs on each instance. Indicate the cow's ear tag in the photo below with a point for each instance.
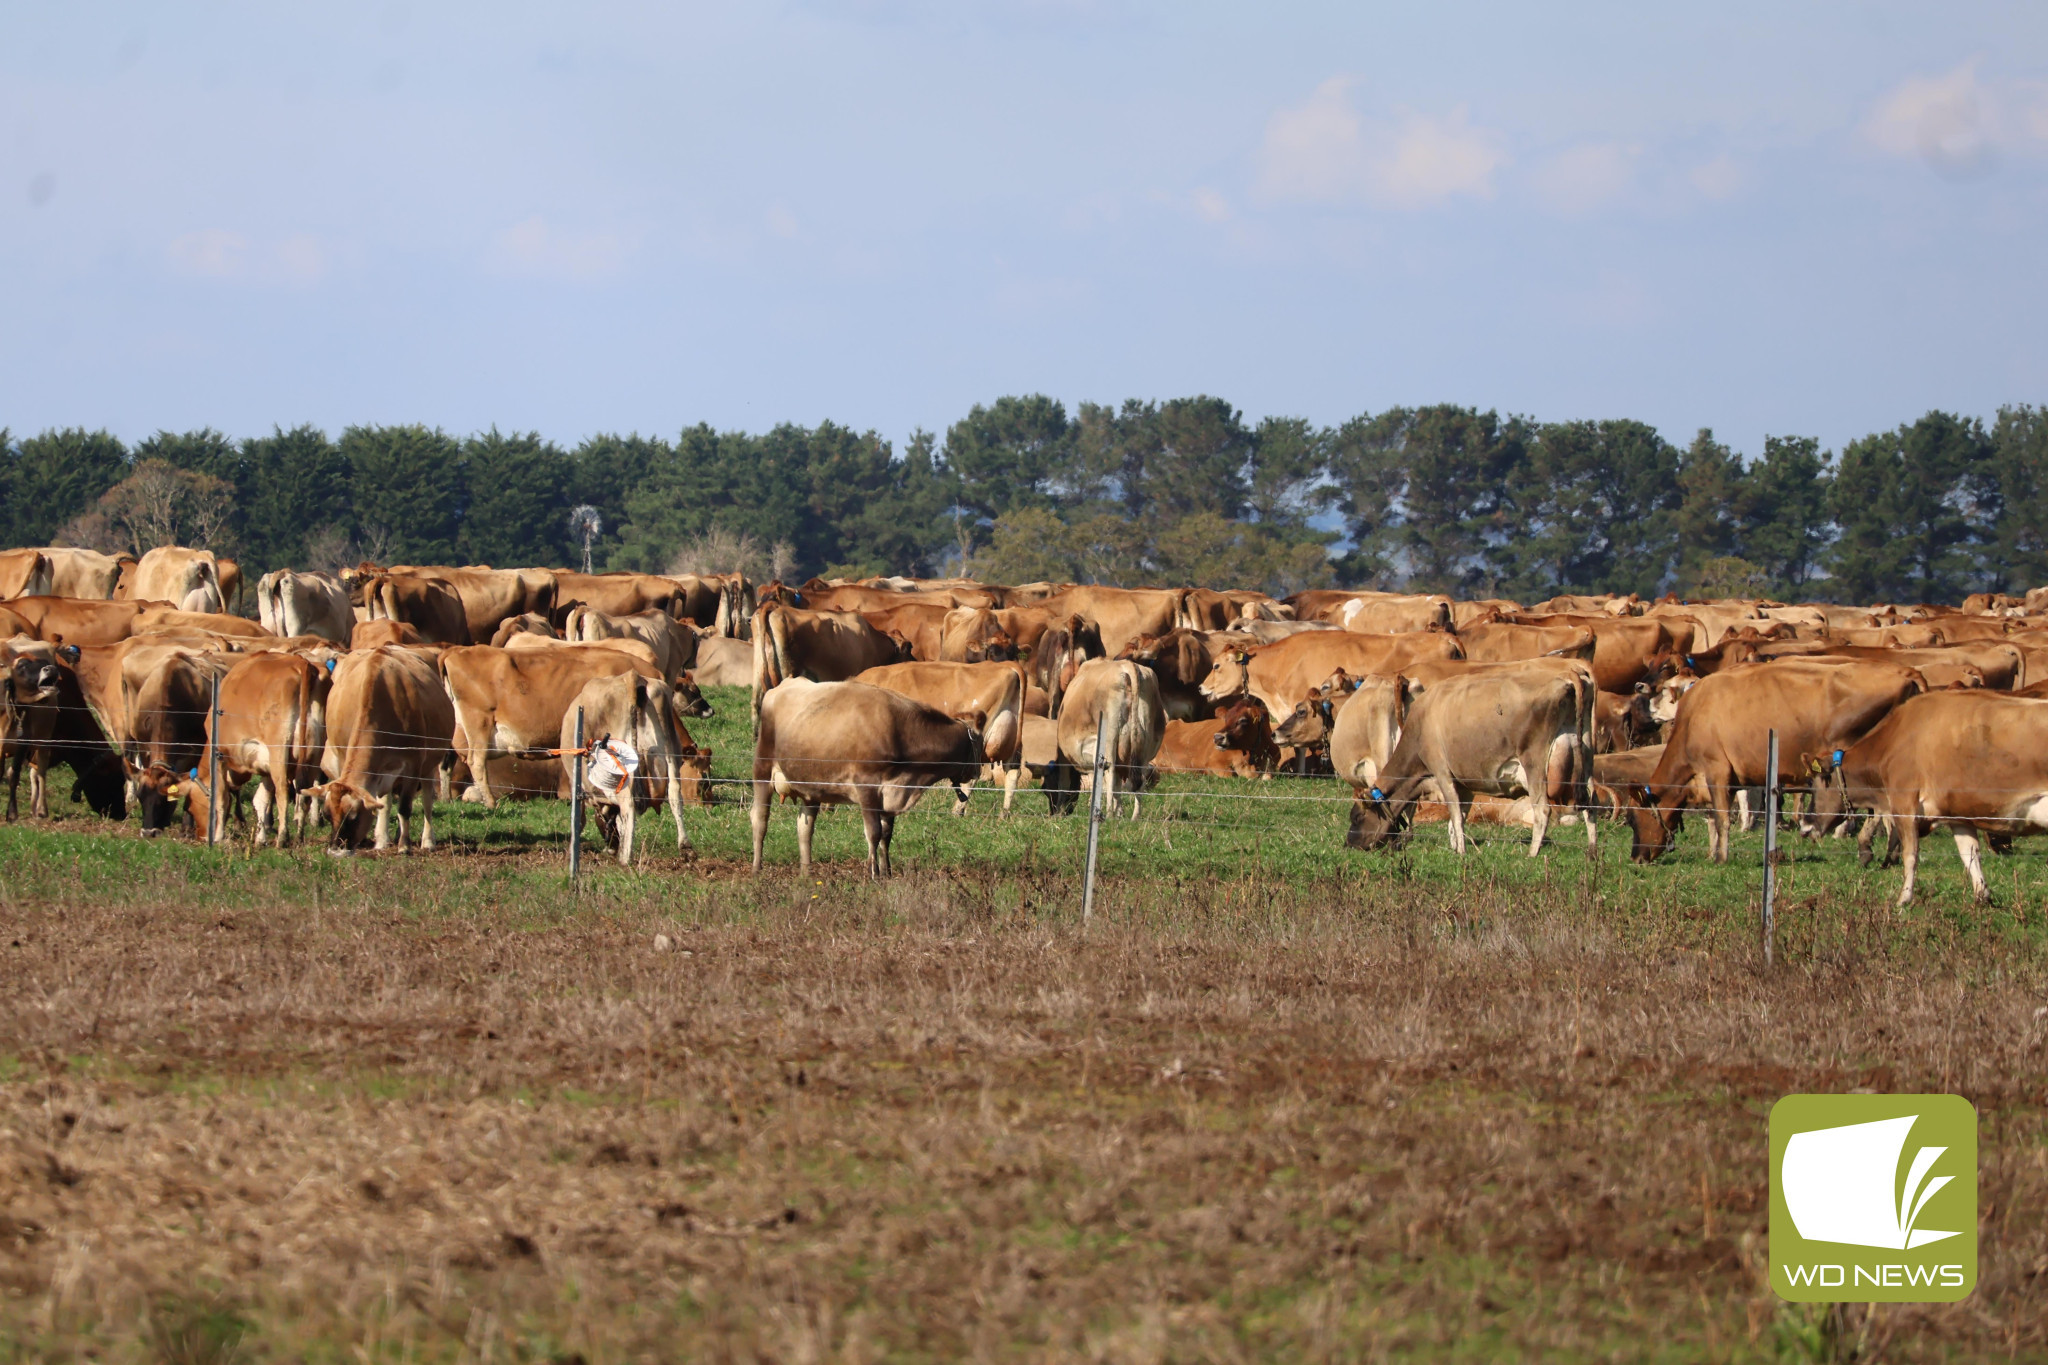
(1378, 795)
(194, 774)
(330, 665)
(1838, 758)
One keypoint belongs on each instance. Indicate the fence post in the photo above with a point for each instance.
(576, 803)
(213, 812)
(1094, 817)
(1770, 845)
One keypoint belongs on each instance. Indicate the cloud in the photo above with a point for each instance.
(1324, 151)
(536, 248)
(1210, 205)
(1583, 178)
(1718, 178)
(1947, 121)
(216, 252)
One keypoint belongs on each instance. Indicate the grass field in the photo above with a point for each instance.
(1278, 1101)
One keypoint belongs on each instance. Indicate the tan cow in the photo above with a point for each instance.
(619, 594)
(1503, 641)
(1120, 699)
(488, 595)
(921, 625)
(1975, 762)
(1720, 738)
(673, 642)
(1281, 675)
(989, 696)
(169, 620)
(826, 646)
(429, 605)
(273, 730)
(1121, 615)
(85, 573)
(186, 578)
(724, 661)
(512, 701)
(25, 573)
(166, 723)
(296, 602)
(527, 623)
(1393, 615)
(639, 755)
(1507, 729)
(973, 635)
(377, 634)
(390, 730)
(846, 743)
(79, 621)
(1237, 742)
(1626, 648)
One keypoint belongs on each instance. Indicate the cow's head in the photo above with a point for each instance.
(102, 784)
(1374, 821)
(689, 701)
(1653, 833)
(693, 773)
(351, 811)
(1246, 728)
(32, 681)
(992, 646)
(157, 789)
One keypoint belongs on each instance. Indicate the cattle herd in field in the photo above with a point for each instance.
(354, 693)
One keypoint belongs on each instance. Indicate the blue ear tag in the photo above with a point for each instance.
(330, 665)
(1838, 758)
(194, 774)
(1688, 661)
(1378, 795)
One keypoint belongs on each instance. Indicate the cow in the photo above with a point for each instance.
(1718, 742)
(724, 661)
(488, 595)
(297, 602)
(527, 623)
(167, 719)
(1508, 729)
(25, 573)
(1183, 667)
(1280, 675)
(674, 642)
(79, 621)
(186, 578)
(618, 594)
(1503, 641)
(171, 621)
(825, 646)
(639, 755)
(1977, 664)
(1710, 620)
(377, 634)
(273, 731)
(45, 720)
(847, 743)
(390, 733)
(513, 701)
(689, 701)
(85, 573)
(1057, 652)
(973, 635)
(429, 605)
(1237, 742)
(1973, 761)
(920, 624)
(992, 691)
(1625, 647)
(821, 596)
(1623, 720)
(1119, 699)
(1396, 615)
(1120, 615)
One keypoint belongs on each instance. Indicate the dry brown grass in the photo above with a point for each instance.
(926, 1121)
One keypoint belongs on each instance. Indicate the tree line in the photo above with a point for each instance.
(1186, 491)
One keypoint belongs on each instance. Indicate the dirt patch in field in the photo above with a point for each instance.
(907, 1121)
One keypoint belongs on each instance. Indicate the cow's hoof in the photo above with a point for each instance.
(341, 852)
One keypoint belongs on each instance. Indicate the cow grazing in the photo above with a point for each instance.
(429, 605)
(293, 602)
(1120, 699)
(167, 726)
(1501, 729)
(1972, 760)
(1719, 740)
(390, 728)
(658, 761)
(273, 731)
(825, 646)
(990, 696)
(847, 743)
(724, 661)
(1237, 742)
(673, 642)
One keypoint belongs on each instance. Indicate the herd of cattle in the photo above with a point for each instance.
(352, 694)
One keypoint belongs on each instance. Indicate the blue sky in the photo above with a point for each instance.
(1818, 219)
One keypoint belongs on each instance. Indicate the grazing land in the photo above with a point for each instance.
(1277, 1101)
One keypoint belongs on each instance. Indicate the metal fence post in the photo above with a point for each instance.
(213, 812)
(576, 803)
(1770, 846)
(1094, 818)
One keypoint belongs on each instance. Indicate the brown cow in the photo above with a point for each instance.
(1057, 652)
(170, 621)
(79, 621)
(489, 595)
(293, 602)
(1982, 663)
(1183, 666)
(167, 724)
(85, 573)
(429, 605)
(1281, 675)
(187, 579)
(1625, 649)
(377, 634)
(25, 573)
(921, 625)
(44, 721)
(674, 642)
(273, 730)
(513, 701)
(639, 756)
(724, 661)
(619, 594)
(846, 743)
(826, 646)
(1120, 699)
(1503, 642)
(527, 623)
(1974, 761)
(1507, 729)
(1238, 742)
(972, 635)
(1121, 615)
(1720, 736)
(989, 695)
(390, 729)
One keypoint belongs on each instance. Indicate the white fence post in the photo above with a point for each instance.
(1094, 818)
(576, 804)
(213, 811)
(1770, 846)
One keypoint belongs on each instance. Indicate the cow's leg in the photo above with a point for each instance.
(479, 758)
(383, 837)
(39, 784)
(1720, 816)
(262, 802)
(1455, 798)
(961, 792)
(806, 824)
(1906, 832)
(1742, 806)
(675, 804)
(757, 820)
(426, 817)
(1971, 852)
(404, 804)
(629, 814)
(886, 819)
(12, 763)
(1010, 776)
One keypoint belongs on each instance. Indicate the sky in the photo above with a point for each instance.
(1811, 218)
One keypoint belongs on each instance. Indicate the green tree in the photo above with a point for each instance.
(1781, 512)
(297, 486)
(1598, 502)
(1428, 497)
(1160, 461)
(2016, 557)
(1709, 480)
(1013, 453)
(407, 485)
(517, 513)
(56, 476)
(1913, 505)
(1287, 481)
(602, 471)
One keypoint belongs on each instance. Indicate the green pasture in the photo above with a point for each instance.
(1287, 833)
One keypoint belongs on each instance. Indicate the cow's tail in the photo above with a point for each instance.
(269, 598)
(771, 653)
(383, 597)
(1117, 708)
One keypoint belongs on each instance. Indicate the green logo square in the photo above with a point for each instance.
(1873, 1198)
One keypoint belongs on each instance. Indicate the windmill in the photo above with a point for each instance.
(585, 522)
